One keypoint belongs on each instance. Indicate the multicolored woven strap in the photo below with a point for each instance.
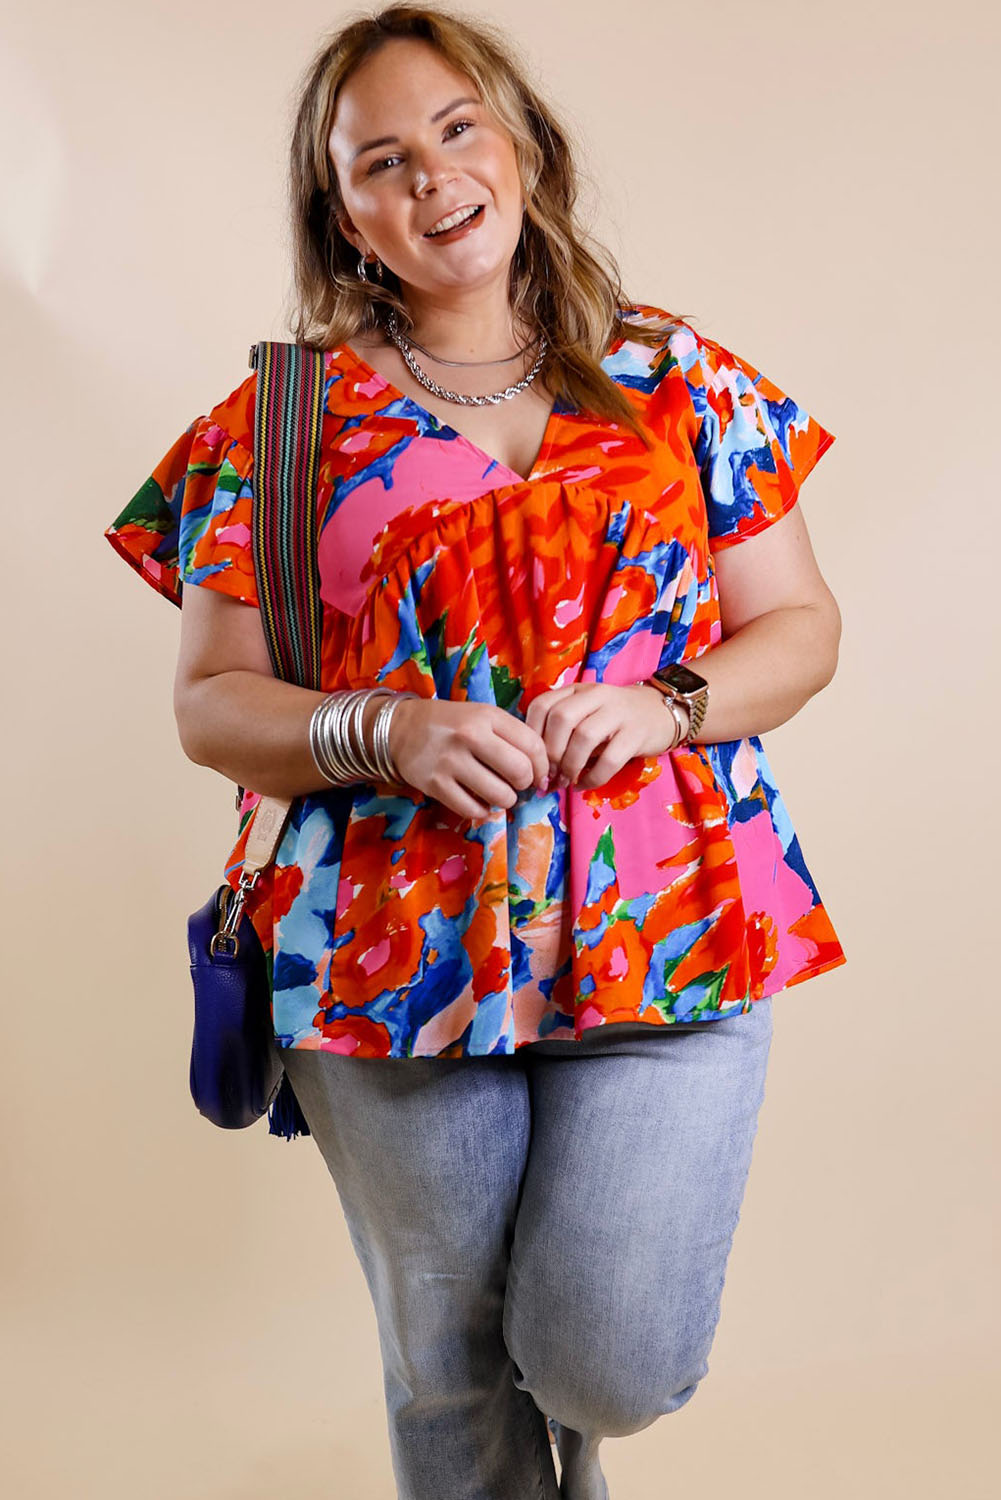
(288, 418)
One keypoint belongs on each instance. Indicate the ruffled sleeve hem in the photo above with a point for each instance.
(190, 521)
(755, 445)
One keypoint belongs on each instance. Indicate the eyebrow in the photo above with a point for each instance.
(387, 140)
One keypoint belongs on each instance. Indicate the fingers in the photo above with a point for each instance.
(591, 729)
(526, 744)
(575, 721)
(487, 785)
(606, 761)
(463, 802)
(587, 746)
(478, 759)
(473, 758)
(540, 708)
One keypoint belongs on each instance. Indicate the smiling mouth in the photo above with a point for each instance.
(433, 235)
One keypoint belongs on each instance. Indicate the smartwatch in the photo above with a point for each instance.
(683, 685)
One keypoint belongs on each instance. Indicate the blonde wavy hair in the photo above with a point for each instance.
(573, 294)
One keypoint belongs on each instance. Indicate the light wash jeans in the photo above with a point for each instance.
(542, 1234)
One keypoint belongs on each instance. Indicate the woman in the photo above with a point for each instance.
(524, 988)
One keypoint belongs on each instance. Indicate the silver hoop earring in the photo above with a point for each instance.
(363, 273)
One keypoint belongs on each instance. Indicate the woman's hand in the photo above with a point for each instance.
(470, 756)
(591, 729)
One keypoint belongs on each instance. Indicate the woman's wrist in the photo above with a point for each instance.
(683, 712)
(675, 711)
(351, 736)
(397, 726)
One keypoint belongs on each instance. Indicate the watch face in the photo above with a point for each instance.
(682, 678)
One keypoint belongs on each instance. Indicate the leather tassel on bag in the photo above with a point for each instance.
(285, 1117)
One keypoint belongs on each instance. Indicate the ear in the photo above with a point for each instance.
(350, 233)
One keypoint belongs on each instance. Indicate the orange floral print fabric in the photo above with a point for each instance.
(678, 891)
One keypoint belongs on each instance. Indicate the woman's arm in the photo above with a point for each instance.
(781, 631)
(232, 713)
(235, 716)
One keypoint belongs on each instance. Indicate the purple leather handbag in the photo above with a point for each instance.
(236, 1069)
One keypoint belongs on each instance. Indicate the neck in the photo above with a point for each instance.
(465, 326)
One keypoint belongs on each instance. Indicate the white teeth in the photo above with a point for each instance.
(453, 221)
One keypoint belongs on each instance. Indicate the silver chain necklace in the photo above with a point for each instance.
(393, 329)
(470, 364)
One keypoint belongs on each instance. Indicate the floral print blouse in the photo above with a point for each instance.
(678, 891)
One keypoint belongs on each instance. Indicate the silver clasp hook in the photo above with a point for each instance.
(230, 917)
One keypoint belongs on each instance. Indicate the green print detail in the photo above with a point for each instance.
(229, 481)
(507, 688)
(526, 912)
(605, 850)
(148, 508)
(708, 1005)
(473, 654)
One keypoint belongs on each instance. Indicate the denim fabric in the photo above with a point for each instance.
(544, 1233)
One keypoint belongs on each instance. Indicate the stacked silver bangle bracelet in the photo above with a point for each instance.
(338, 744)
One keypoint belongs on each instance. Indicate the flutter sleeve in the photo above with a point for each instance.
(755, 445)
(190, 521)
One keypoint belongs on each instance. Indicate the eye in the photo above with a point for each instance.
(377, 166)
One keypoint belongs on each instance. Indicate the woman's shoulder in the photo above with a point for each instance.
(664, 331)
(234, 414)
(650, 344)
(680, 349)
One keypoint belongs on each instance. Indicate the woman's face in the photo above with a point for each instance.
(438, 151)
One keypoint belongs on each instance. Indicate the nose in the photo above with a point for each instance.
(432, 170)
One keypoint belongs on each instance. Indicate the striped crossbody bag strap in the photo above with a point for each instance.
(288, 420)
(288, 417)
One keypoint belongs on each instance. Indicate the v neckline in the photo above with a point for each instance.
(545, 448)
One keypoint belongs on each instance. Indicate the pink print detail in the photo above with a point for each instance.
(356, 442)
(451, 869)
(345, 1045)
(618, 964)
(568, 609)
(372, 385)
(611, 603)
(237, 535)
(375, 957)
(421, 472)
(644, 835)
(345, 896)
(589, 1015)
(446, 1025)
(575, 476)
(636, 658)
(744, 771)
(768, 884)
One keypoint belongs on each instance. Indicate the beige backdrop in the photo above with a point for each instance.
(183, 1314)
